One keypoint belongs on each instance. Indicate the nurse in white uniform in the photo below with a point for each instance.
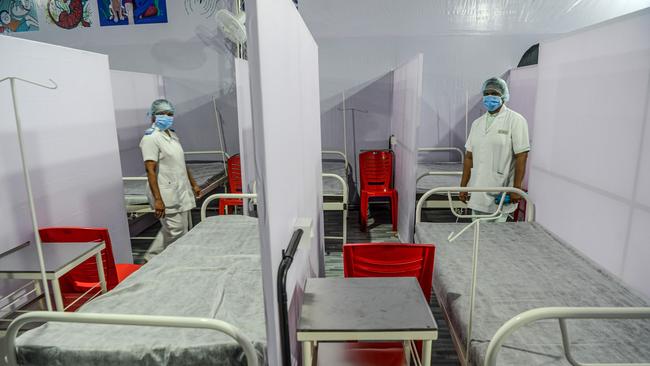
(497, 150)
(171, 189)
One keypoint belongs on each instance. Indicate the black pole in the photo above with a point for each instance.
(283, 269)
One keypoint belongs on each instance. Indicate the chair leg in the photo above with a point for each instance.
(222, 208)
(393, 207)
(363, 211)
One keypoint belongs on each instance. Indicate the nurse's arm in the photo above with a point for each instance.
(159, 205)
(520, 171)
(468, 164)
(195, 187)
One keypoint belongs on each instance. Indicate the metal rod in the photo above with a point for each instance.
(28, 184)
(472, 296)
(283, 269)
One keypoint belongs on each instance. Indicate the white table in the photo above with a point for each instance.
(365, 309)
(60, 258)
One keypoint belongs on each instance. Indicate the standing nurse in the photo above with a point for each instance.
(171, 189)
(497, 150)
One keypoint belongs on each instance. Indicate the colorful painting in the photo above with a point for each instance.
(112, 12)
(18, 16)
(149, 11)
(69, 14)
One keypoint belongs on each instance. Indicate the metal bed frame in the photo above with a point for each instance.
(137, 210)
(244, 196)
(124, 319)
(341, 205)
(442, 203)
(528, 317)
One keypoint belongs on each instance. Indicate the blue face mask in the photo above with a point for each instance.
(492, 102)
(164, 122)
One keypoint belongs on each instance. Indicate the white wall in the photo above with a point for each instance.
(245, 123)
(71, 145)
(188, 51)
(405, 122)
(133, 93)
(590, 175)
(283, 59)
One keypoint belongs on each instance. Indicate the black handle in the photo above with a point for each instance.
(283, 269)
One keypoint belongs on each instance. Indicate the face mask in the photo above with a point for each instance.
(163, 122)
(492, 102)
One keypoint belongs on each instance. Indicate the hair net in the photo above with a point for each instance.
(499, 85)
(161, 105)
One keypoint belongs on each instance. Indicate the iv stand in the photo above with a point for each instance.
(28, 183)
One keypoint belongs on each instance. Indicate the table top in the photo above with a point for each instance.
(365, 305)
(56, 256)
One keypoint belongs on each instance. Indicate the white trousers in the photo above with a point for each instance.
(173, 227)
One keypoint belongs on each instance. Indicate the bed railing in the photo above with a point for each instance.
(441, 149)
(344, 188)
(243, 196)
(338, 153)
(134, 320)
(224, 154)
(283, 269)
(562, 314)
(530, 209)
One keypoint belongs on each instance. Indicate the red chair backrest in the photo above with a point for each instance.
(234, 174)
(391, 260)
(376, 170)
(86, 271)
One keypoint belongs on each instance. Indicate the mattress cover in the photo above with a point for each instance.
(522, 267)
(332, 187)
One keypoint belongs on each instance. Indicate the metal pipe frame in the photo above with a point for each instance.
(224, 154)
(343, 206)
(243, 196)
(338, 153)
(454, 149)
(283, 269)
(134, 320)
(530, 211)
(562, 314)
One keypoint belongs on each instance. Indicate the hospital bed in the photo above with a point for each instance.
(336, 174)
(212, 272)
(432, 174)
(209, 175)
(525, 276)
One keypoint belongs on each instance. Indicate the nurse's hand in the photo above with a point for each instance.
(159, 209)
(463, 197)
(197, 191)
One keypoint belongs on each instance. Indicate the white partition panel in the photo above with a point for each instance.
(283, 59)
(590, 169)
(133, 93)
(245, 123)
(523, 97)
(405, 121)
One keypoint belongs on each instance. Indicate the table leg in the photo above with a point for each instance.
(307, 356)
(100, 272)
(426, 352)
(56, 292)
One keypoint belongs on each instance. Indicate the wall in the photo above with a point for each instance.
(405, 123)
(245, 123)
(463, 43)
(590, 168)
(71, 145)
(133, 93)
(283, 59)
(188, 51)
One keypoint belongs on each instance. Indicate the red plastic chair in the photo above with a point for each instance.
(391, 260)
(384, 260)
(234, 184)
(83, 277)
(376, 171)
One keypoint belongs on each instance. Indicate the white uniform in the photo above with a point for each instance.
(493, 147)
(175, 187)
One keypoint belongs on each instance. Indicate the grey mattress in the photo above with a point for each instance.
(433, 181)
(214, 271)
(204, 174)
(332, 187)
(522, 267)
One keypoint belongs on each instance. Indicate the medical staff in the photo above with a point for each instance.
(171, 189)
(497, 150)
